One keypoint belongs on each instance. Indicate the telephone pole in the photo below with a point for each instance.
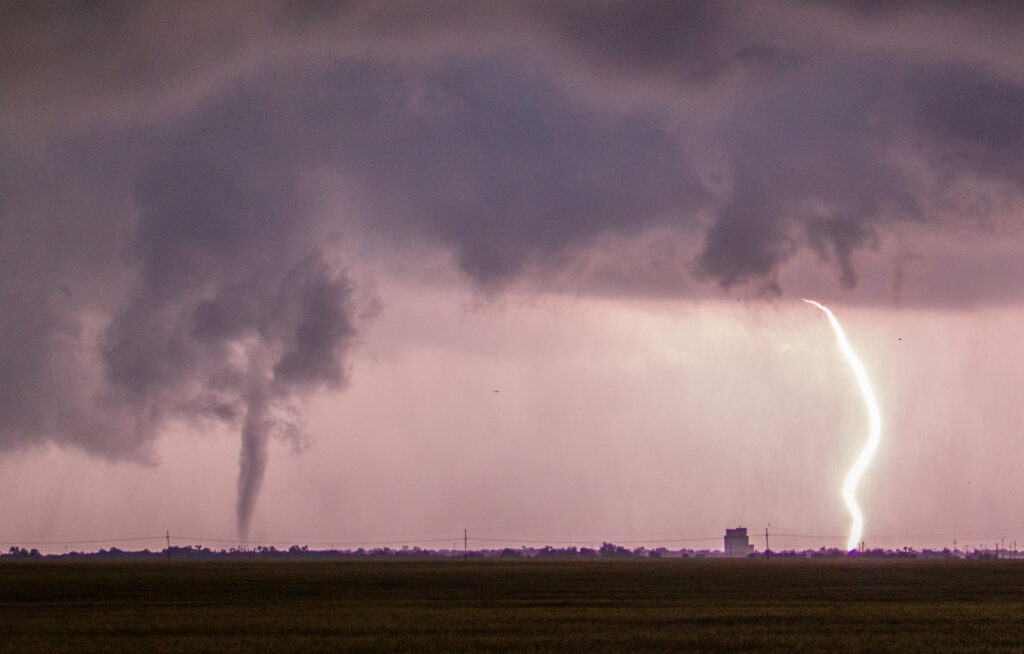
(767, 550)
(168, 534)
(465, 544)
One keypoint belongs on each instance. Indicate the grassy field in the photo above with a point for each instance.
(505, 606)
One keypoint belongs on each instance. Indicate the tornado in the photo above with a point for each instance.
(252, 460)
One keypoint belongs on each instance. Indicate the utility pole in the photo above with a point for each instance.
(465, 544)
(767, 550)
(168, 534)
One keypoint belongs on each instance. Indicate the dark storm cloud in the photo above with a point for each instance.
(975, 117)
(58, 253)
(73, 61)
(165, 258)
(504, 170)
(679, 41)
(745, 243)
(319, 327)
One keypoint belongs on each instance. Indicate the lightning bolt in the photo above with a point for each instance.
(874, 430)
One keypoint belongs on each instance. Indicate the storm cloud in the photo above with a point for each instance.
(167, 254)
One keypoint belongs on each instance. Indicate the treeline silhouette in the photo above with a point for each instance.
(605, 551)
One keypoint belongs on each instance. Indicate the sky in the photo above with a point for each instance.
(376, 272)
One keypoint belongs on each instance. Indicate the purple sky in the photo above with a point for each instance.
(263, 266)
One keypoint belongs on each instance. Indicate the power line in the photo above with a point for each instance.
(595, 540)
(411, 541)
(79, 541)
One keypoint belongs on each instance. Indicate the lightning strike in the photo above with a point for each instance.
(874, 430)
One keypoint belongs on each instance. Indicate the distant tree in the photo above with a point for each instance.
(613, 550)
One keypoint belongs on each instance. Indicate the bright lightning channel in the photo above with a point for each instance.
(874, 430)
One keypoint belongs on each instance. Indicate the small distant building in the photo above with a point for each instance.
(737, 543)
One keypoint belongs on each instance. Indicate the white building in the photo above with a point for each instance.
(737, 543)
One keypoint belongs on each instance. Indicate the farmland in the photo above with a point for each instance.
(504, 606)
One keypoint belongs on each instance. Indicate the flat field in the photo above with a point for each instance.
(512, 606)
